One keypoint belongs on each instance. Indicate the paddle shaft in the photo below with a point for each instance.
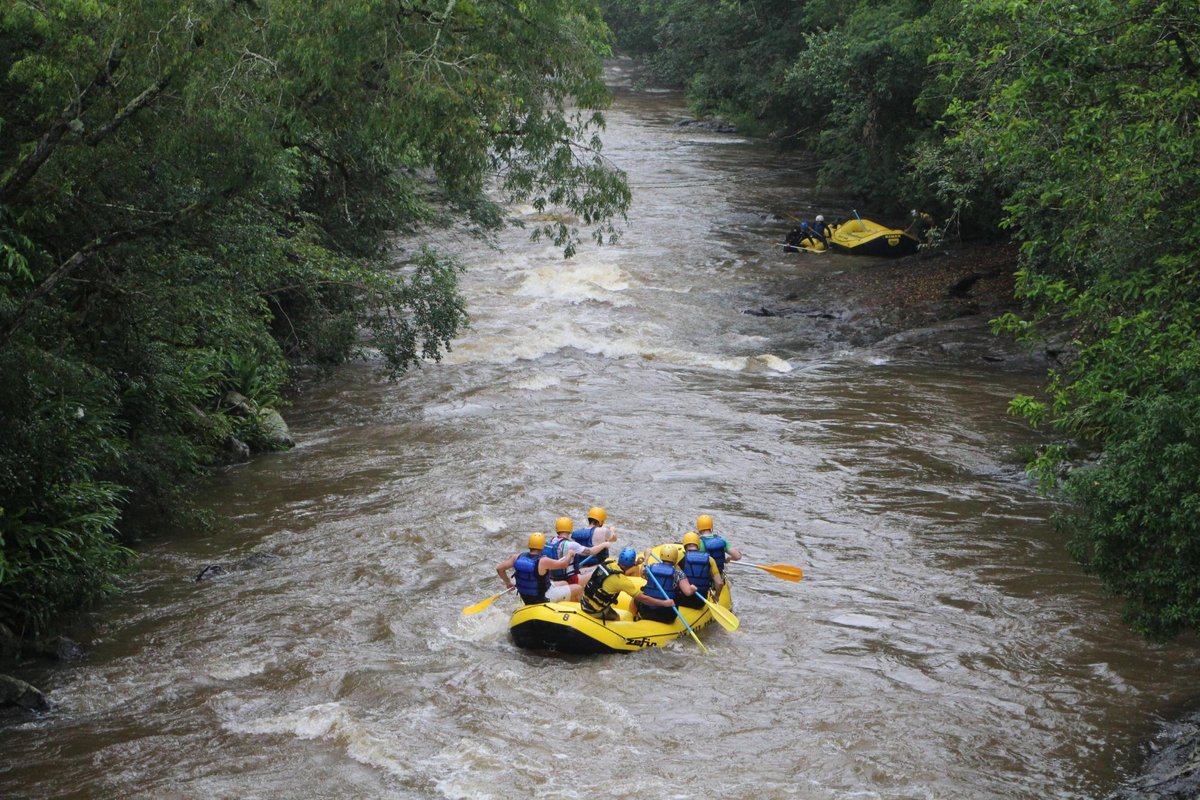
(703, 649)
(720, 613)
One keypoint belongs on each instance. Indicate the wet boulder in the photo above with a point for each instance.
(714, 124)
(1172, 769)
(55, 648)
(16, 692)
(274, 430)
(234, 451)
(271, 430)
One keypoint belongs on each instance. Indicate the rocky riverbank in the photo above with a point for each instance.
(935, 303)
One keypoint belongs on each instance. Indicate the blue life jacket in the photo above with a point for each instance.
(529, 583)
(666, 579)
(554, 549)
(715, 546)
(695, 568)
(584, 536)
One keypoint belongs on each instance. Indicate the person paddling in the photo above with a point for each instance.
(663, 578)
(531, 573)
(821, 229)
(701, 571)
(715, 544)
(611, 578)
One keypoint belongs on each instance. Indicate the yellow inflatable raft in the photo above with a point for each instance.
(564, 628)
(863, 237)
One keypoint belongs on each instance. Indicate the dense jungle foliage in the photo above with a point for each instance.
(196, 196)
(1070, 126)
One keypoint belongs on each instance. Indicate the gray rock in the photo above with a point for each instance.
(234, 450)
(275, 430)
(252, 561)
(57, 648)
(715, 124)
(1172, 771)
(16, 692)
(239, 405)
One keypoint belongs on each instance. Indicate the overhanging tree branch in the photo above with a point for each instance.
(32, 162)
(132, 107)
(85, 253)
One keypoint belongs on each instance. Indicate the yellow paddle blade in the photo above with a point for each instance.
(723, 615)
(782, 571)
(482, 604)
(787, 573)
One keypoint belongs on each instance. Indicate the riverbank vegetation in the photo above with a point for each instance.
(1070, 128)
(195, 197)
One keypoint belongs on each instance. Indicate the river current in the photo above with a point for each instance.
(941, 644)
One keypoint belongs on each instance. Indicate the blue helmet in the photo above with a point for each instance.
(627, 558)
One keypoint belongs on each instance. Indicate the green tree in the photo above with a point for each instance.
(194, 194)
(839, 80)
(1085, 113)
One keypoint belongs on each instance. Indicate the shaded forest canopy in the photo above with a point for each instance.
(1071, 127)
(196, 196)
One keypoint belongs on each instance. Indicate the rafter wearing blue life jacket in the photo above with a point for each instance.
(665, 588)
(530, 585)
(696, 568)
(555, 548)
(584, 536)
(715, 545)
(660, 584)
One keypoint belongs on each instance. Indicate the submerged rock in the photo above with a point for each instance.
(714, 124)
(252, 561)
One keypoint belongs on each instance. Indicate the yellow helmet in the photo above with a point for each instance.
(691, 537)
(562, 525)
(704, 522)
(597, 513)
(670, 553)
(537, 541)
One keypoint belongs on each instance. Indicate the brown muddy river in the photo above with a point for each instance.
(941, 645)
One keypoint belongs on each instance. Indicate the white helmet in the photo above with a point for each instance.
(820, 218)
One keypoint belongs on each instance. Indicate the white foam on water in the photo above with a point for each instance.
(537, 381)
(552, 335)
(473, 769)
(229, 669)
(332, 722)
(454, 410)
(311, 722)
(489, 625)
(771, 363)
(490, 523)
(576, 283)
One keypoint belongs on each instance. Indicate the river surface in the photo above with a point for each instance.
(941, 644)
